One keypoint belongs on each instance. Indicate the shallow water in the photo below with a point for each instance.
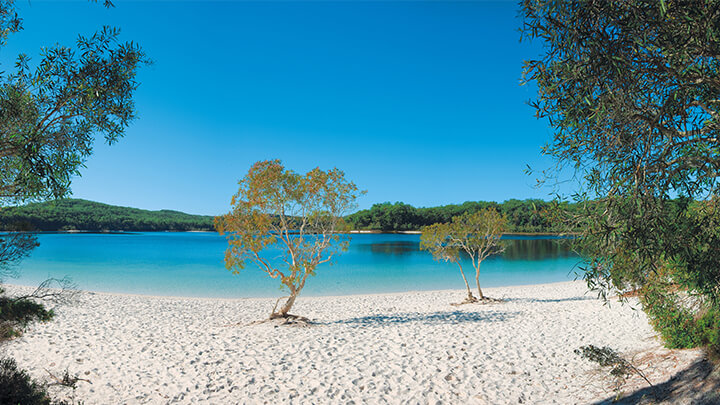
(191, 264)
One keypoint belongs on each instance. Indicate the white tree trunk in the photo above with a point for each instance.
(470, 297)
(477, 281)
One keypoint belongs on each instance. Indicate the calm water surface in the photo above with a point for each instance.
(191, 264)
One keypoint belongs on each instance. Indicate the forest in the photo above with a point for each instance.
(75, 214)
(524, 216)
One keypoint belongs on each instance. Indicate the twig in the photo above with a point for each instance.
(276, 304)
(66, 381)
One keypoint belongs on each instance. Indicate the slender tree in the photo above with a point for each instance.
(300, 214)
(475, 233)
(438, 240)
(478, 234)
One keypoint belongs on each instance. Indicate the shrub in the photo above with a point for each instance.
(681, 327)
(16, 386)
(709, 324)
(17, 313)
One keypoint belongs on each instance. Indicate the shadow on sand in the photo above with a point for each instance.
(540, 300)
(697, 385)
(434, 318)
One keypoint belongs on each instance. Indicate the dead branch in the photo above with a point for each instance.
(67, 380)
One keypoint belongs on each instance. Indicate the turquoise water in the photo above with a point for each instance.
(191, 264)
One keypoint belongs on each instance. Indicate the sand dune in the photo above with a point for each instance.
(392, 348)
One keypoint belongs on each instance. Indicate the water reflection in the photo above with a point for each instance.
(190, 264)
(515, 249)
(537, 249)
(389, 248)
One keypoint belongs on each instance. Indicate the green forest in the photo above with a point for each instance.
(524, 216)
(75, 214)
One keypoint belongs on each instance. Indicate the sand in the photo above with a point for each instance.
(388, 348)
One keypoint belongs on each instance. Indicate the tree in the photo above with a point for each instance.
(437, 239)
(631, 90)
(50, 113)
(477, 234)
(301, 214)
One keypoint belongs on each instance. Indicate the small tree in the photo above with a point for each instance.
(303, 214)
(477, 234)
(437, 239)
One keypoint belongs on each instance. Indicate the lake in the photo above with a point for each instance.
(191, 264)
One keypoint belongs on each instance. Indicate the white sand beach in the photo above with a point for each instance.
(392, 348)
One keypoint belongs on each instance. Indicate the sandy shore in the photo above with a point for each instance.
(391, 348)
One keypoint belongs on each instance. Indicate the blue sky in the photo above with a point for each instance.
(417, 102)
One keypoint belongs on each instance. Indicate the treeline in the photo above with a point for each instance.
(523, 215)
(75, 214)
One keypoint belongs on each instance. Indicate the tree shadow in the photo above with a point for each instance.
(697, 385)
(541, 300)
(434, 318)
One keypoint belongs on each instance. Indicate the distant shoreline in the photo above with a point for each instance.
(506, 233)
(105, 231)
(353, 232)
(83, 216)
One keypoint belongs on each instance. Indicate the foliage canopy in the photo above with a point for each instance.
(50, 113)
(474, 234)
(632, 92)
(300, 214)
(51, 110)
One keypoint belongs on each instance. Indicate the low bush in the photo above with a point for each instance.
(679, 326)
(709, 326)
(17, 313)
(16, 386)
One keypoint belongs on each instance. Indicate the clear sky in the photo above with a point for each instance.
(417, 102)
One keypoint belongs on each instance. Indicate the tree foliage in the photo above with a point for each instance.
(438, 240)
(475, 234)
(619, 368)
(51, 110)
(17, 313)
(631, 90)
(300, 214)
(13, 248)
(50, 113)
